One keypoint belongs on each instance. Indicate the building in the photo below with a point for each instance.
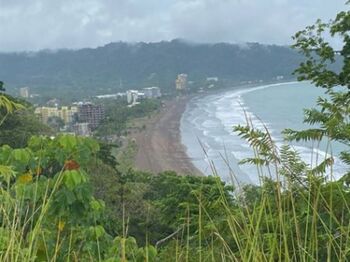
(24, 92)
(91, 114)
(111, 96)
(132, 96)
(181, 82)
(82, 129)
(212, 78)
(46, 112)
(53, 102)
(65, 113)
(152, 92)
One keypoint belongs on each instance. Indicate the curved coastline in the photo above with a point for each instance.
(159, 145)
(210, 118)
(199, 158)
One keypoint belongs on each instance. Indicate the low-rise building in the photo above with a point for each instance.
(111, 96)
(152, 92)
(212, 78)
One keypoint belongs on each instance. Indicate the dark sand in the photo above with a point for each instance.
(160, 147)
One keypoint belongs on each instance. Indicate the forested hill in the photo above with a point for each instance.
(141, 64)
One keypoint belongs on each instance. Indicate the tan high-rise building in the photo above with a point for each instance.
(46, 112)
(65, 113)
(181, 82)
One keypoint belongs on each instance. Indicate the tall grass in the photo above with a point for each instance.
(286, 219)
(298, 215)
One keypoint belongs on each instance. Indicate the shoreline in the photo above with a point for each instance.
(160, 147)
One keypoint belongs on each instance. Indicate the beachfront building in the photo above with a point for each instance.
(152, 92)
(111, 96)
(132, 96)
(181, 82)
(24, 92)
(91, 114)
(212, 79)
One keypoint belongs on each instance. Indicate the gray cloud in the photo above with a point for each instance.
(39, 24)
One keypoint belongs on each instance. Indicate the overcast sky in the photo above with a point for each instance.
(40, 24)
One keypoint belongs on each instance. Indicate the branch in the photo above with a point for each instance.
(168, 237)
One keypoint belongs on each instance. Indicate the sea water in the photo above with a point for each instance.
(207, 127)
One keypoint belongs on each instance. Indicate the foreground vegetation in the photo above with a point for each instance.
(65, 199)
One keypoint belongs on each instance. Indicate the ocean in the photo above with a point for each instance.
(207, 127)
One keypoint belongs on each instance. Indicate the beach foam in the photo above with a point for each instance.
(210, 119)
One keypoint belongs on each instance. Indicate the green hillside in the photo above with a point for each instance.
(118, 66)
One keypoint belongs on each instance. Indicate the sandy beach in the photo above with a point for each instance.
(159, 145)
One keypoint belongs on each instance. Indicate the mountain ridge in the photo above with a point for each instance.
(118, 66)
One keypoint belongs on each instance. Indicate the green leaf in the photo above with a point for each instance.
(92, 144)
(96, 205)
(7, 173)
(68, 142)
(5, 152)
(99, 231)
(21, 155)
(304, 135)
(72, 178)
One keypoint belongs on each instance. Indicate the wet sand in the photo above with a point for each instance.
(159, 145)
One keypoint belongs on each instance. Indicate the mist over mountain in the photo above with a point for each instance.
(119, 66)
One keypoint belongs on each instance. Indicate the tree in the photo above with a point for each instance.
(2, 89)
(19, 126)
(17, 121)
(333, 113)
(8, 106)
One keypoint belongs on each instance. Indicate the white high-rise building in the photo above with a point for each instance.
(132, 96)
(24, 92)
